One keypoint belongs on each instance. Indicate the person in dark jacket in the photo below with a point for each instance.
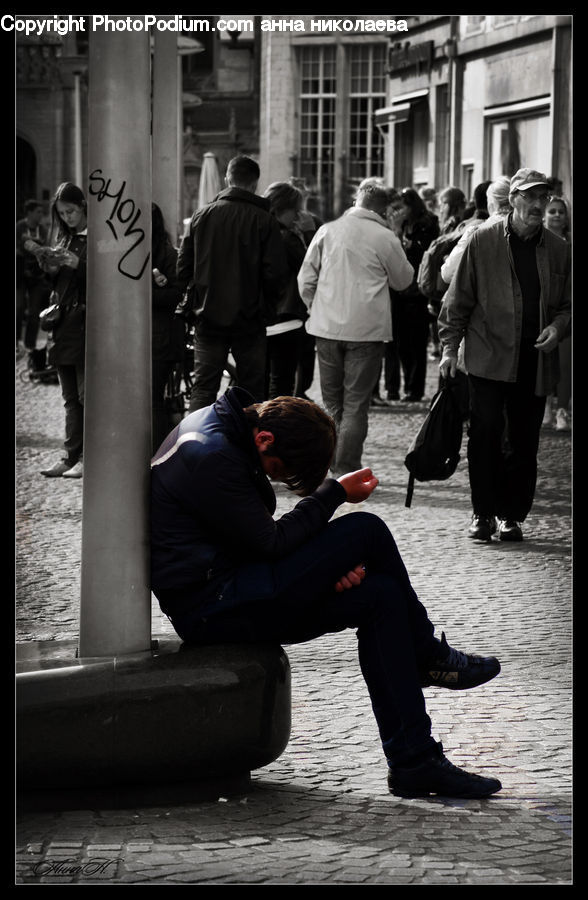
(308, 223)
(418, 228)
(66, 264)
(225, 571)
(234, 262)
(285, 335)
(33, 287)
(167, 331)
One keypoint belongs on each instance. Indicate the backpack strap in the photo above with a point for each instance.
(409, 490)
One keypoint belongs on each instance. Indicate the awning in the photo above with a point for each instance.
(390, 115)
(399, 111)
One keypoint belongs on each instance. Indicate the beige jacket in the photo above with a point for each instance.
(346, 277)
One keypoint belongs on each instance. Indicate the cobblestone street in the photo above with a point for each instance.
(321, 814)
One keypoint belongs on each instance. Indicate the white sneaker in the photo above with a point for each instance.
(562, 420)
(76, 471)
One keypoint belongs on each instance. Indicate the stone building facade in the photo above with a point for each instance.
(450, 100)
(220, 106)
(426, 100)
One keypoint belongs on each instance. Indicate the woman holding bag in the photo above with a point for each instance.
(66, 263)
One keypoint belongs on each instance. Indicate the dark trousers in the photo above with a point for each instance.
(392, 370)
(160, 421)
(71, 380)
(305, 367)
(392, 366)
(413, 338)
(294, 600)
(211, 349)
(37, 299)
(504, 432)
(282, 358)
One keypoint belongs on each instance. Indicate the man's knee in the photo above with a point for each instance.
(361, 524)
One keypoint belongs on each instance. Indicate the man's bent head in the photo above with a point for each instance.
(304, 439)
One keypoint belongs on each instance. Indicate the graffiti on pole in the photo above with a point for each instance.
(123, 223)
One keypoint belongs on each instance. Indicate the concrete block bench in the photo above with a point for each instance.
(174, 714)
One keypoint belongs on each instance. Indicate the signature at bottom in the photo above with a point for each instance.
(95, 866)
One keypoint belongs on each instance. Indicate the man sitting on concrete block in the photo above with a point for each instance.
(224, 570)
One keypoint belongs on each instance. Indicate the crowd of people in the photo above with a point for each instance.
(240, 266)
(267, 282)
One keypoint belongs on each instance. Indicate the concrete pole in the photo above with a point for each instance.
(79, 178)
(166, 99)
(115, 614)
(180, 152)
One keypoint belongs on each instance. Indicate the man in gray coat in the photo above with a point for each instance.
(510, 300)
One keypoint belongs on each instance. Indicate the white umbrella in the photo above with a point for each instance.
(210, 180)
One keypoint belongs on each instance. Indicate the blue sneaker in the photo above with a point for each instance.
(458, 671)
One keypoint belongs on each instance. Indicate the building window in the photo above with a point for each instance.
(195, 65)
(472, 25)
(518, 141)
(318, 83)
(498, 21)
(467, 179)
(339, 143)
(411, 147)
(367, 92)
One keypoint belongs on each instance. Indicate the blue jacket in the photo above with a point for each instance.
(212, 504)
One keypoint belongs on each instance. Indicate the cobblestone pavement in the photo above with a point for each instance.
(321, 814)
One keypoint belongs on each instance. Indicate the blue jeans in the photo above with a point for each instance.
(348, 372)
(294, 600)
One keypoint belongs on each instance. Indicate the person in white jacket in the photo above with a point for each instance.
(345, 282)
(496, 198)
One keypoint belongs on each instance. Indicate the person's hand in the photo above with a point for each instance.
(548, 339)
(159, 278)
(358, 485)
(49, 258)
(352, 579)
(68, 258)
(448, 364)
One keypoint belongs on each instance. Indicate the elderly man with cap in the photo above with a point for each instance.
(510, 301)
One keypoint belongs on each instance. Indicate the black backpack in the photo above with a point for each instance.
(434, 453)
(429, 280)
